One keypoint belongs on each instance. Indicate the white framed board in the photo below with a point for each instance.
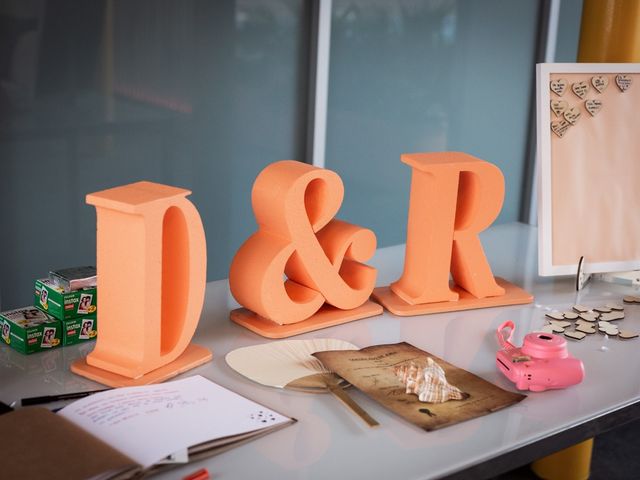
(588, 147)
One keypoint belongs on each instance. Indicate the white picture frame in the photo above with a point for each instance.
(548, 265)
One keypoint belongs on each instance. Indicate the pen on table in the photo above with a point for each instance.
(202, 474)
(56, 398)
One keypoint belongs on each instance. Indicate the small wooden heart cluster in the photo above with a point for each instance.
(568, 115)
(585, 321)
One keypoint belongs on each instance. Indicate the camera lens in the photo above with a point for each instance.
(545, 337)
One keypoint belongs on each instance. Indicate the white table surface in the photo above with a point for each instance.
(330, 442)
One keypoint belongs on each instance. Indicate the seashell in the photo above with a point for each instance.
(429, 383)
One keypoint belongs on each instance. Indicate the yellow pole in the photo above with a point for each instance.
(573, 463)
(609, 32)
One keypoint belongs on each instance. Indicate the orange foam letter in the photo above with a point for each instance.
(454, 197)
(151, 262)
(294, 204)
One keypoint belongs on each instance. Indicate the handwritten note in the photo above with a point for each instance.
(580, 89)
(151, 422)
(624, 82)
(593, 106)
(558, 86)
(559, 106)
(600, 83)
(572, 115)
(560, 127)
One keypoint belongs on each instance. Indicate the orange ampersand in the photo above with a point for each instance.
(294, 204)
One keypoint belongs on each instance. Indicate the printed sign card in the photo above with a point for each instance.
(374, 371)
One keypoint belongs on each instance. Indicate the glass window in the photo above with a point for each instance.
(418, 76)
(196, 94)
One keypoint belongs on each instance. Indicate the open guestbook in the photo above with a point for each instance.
(127, 432)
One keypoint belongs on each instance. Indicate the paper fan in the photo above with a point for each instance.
(289, 364)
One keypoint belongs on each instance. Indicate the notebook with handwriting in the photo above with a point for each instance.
(123, 432)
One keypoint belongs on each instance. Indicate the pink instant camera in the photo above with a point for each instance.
(542, 362)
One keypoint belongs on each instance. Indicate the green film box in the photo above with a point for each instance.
(80, 329)
(29, 330)
(64, 305)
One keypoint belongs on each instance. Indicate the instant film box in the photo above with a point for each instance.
(64, 305)
(80, 329)
(29, 330)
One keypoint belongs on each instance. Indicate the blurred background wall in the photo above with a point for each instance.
(204, 94)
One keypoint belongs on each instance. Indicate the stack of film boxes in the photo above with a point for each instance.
(65, 313)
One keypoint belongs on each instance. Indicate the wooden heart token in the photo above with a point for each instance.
(586, 329)
(572, 115)
(555, 315)
(580, 308)
(600, 83)
(580, 89)
(593, 106)
(558, 86)
(608, 328)
(556, 328)
(560, 323)
(588, 316)
(631, 299)
(602, 309)
(558, 107)
(548, 328)
(624, 82)
(575, 335)
(615, 306)
(570, 315)
(610, 317)
(560, 127)
(626, 334)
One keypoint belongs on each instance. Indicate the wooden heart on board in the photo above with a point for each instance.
(572, 115)
(558, 107)
(580, 89)
(600, 83)
(624, 82)
(558, 86)
(593, 106)
(560, 127)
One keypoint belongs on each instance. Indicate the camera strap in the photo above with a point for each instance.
(504, 339)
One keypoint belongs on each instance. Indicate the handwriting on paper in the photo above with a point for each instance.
(123, 407)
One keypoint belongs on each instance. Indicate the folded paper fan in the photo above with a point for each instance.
(289, 364)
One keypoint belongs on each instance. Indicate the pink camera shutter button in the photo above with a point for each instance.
(544, 345)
